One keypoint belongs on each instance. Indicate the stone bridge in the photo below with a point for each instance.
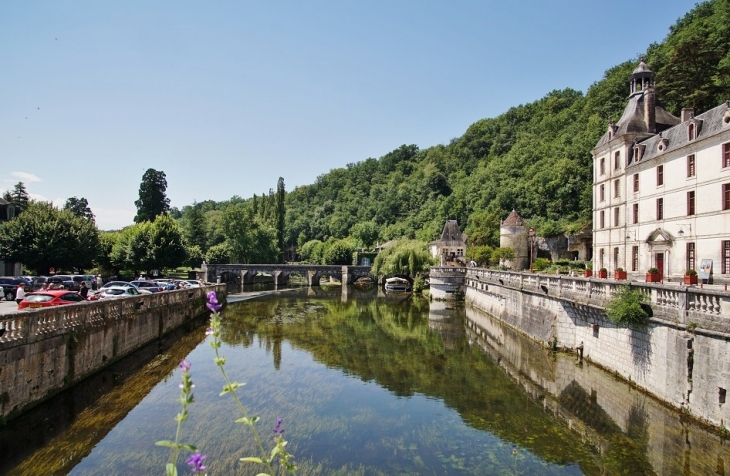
(244, 273)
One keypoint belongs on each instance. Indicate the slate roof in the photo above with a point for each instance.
(632, 121)
(451, 235)
(707, 124)
(513, 219)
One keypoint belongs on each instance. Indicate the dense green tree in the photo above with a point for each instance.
(248, 240)
(195, 257)
(280, 214)
(404, 258)
(338, 252)
(365, 233)
(166, 243)
(195, 227)
(79, 207)
(152, 198)
(218, 254)
(18, 197)
(43, 237)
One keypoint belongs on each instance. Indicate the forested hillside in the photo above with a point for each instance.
(534, 158)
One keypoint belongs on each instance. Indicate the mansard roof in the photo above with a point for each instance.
(708, 124)
(633, 121)
(513, 219)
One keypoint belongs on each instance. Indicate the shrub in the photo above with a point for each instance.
(653, 271)
(690, 272)
(562, 262)
(620, 270)
(603, 270)
(540, 264)
(625, 307)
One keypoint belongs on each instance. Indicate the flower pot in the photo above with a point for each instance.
(652, 277)
(690, 279)
(588, 273)
(602, 274)
(619, 275)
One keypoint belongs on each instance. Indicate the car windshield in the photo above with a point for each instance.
(38, 297)
(78, 279)
(114, 291)
(72, 297)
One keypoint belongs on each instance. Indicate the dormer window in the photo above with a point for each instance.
(726, 119)
(638, 152)
(693, 128)
(663, 144)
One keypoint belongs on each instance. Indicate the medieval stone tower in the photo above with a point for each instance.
(513, 234)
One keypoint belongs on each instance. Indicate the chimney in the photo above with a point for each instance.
(687, 113)
(650, 110)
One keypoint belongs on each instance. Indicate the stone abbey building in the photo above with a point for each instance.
(661, 189)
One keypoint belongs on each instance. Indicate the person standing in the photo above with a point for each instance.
(84, 291)
(20, 293)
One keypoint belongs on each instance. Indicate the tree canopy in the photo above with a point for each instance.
(43, 237)
(152, 199)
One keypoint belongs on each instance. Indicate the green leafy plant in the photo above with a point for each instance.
(690, 272)
(540, 264)
(653, 271)
(195, 461)
(625, 307)
(620, 270)
(603, 270)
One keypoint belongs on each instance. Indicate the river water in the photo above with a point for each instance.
(366, 383)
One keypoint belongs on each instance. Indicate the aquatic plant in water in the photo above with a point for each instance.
(195, 461)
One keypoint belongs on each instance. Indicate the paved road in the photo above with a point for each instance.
(6, 307)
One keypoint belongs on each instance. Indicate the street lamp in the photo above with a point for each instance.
(532, 247)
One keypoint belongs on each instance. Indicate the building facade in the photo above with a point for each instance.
(451, 248)
(661, 189)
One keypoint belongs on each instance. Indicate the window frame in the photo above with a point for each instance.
(636, 182)
(660, 208)
(726, 196)
(616, 216)
(691, 166)
(690, 203)
(635, 258)
(726, 155)
(659, 175)
(691, 255)
(635, 212)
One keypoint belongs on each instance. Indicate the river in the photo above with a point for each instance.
(365, 383)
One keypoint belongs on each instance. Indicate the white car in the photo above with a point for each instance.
(119, 291)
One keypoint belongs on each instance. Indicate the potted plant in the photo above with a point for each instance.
(652, 276)
(690, 276)
(603, 273)
(588, 272)
(619, 274)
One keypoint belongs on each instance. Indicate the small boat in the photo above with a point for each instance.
(397, 285)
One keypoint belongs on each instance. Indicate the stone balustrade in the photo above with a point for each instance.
(46, 350)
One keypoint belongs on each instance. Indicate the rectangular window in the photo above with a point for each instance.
(659, 175)
(635, 213)
(726, 257)
(636, 182)
(602, 189)
(602, 256)
(726, 155)
(617, 160)
(690, 203)
(634, 258)
(603, 165)
(602, 219)
(691, 165)
(726, 196)
(660, 209)
(615, 216)
(615, 258)
(617, 188)
(691, 256)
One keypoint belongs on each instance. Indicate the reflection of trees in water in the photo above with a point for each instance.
(392, 344)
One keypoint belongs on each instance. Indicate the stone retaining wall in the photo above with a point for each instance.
(45, 351)
(682, 356)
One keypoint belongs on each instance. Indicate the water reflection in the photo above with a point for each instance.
(369, 383)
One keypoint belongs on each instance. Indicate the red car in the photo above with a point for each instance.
(54, 297)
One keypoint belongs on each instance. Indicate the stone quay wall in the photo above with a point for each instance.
(446, 283)
(44, 351)
(682, 356)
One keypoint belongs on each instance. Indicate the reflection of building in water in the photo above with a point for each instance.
(603, 410)
(446, 318)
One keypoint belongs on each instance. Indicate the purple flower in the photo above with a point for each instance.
(212, 303)
(185, 365)
(196, 462)
(278, 431)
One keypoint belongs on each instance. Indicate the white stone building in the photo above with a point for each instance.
(661, 188)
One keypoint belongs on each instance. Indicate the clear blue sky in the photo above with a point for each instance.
(227, 96)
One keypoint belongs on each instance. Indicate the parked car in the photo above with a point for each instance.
(152, 286)
(62, 282)
(86, 278)
(10, 286)
(114, 284)
(193, 283)
(168, 283)
(117, 292)
(36, 300)
(68, 281)
(38, 282)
